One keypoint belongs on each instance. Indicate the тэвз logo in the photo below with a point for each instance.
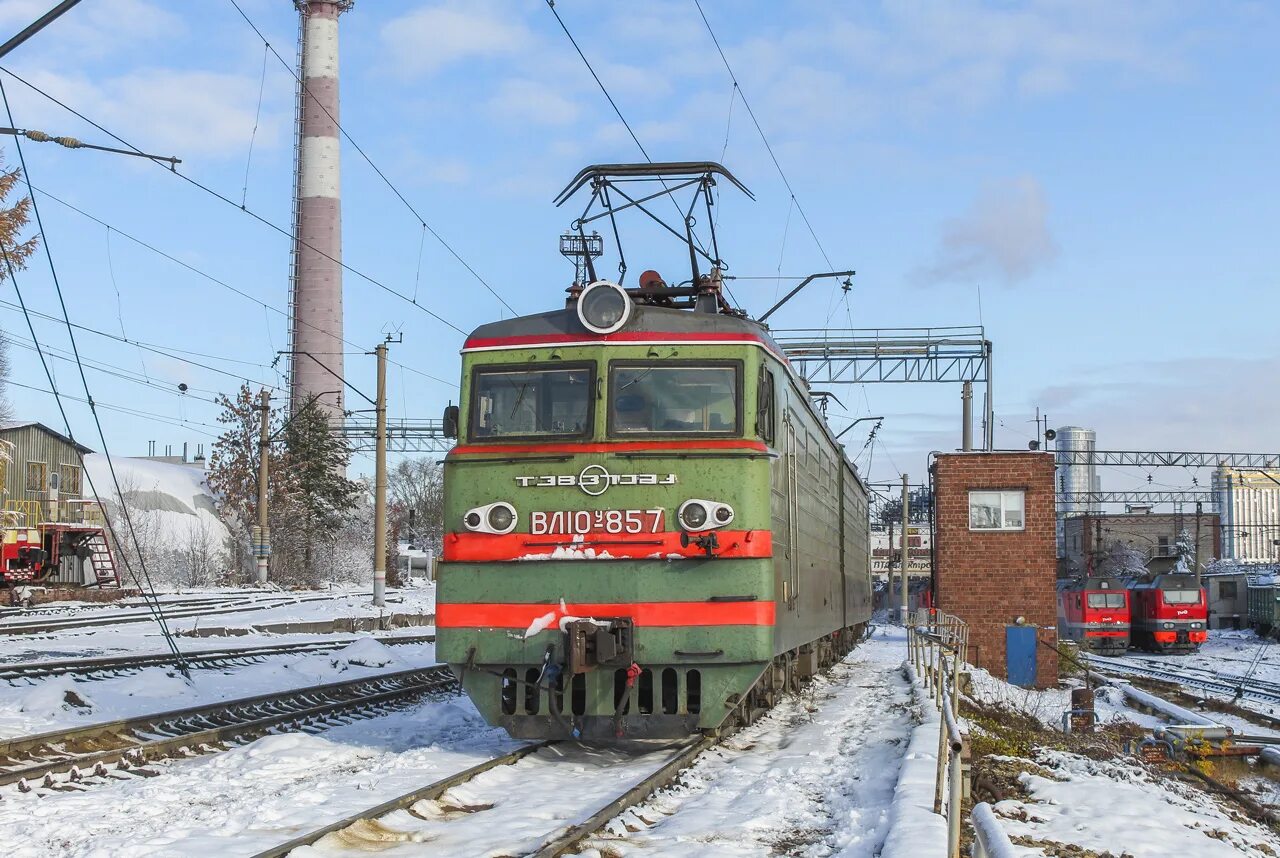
(596, 479)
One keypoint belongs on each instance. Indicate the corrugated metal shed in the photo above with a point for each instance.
(38, 452)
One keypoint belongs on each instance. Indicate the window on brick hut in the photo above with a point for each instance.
(997, 510)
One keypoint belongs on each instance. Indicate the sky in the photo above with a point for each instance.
(1095, 183)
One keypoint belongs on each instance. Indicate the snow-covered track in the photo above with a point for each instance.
(365, 831)
(106, 667)
(84, 753)
(22, 626)
(1227, 684)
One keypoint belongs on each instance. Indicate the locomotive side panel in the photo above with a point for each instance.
(811, 601)
(855, 560)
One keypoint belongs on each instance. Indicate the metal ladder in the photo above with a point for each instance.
(104, 562)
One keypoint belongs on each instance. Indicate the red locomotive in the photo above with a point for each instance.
(1170, 614)
(1094, 612)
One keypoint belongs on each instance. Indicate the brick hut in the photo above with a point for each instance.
(996, 559)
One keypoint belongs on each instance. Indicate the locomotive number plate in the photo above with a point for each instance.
(582, 521)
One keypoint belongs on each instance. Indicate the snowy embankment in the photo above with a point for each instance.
(1065, 794)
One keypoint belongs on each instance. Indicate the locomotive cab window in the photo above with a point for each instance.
(1181, 597)
(1002, 510)
(672, 398)
(1106, 600)
(511, 402)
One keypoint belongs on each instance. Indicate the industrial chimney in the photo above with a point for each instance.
(315, 284)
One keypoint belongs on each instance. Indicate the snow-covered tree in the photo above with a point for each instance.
(416, 490)
(1123, 561)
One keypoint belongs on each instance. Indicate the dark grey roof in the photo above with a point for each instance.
(643, 318)
(12, 425)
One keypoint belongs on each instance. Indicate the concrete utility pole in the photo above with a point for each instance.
(380, 485)
(262, 534)
(316, 283)
(966, 416)
(906, 561)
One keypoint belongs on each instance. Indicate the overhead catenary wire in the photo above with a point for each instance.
(212, 279)
(250, 212)
(381, 175)
(763, 137)
(124, 409)
(631, 131)
(148, 591)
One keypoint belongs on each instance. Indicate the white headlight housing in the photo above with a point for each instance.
(604, 307)
(500, 517)
(699, 514)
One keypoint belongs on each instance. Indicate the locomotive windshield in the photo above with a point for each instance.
(1106, 600)
(1181, 597)
(524, 403)
(673, 399)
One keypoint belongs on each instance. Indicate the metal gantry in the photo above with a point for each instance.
(404, 435)
(1153, 459)
(893, 356)
(1138, 497)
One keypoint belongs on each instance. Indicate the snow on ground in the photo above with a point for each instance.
(814, 777)
(252, 797)
(820, 771)
(145, 636)
(62, 702)
(1116, 806)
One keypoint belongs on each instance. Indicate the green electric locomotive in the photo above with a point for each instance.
(649, 529)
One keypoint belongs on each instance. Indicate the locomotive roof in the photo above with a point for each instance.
(644, 318)
(1095, 583)
(1168, 581)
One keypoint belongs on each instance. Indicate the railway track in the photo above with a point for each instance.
(111, 618)
(110, 666)
(71, 759)
(368, 830)
(1230, 685)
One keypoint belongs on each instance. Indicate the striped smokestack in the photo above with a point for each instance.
(316, 286)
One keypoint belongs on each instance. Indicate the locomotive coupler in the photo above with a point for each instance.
(589, 644)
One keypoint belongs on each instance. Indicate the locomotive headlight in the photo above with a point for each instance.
(603, 307)
(693, 515)
(1168, 625)
(502, 517)
(499, 518)
(699, 514)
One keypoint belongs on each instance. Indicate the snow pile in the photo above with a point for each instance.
(916, 829)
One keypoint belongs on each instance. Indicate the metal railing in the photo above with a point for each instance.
(937, 644)
(30, 513)
(989, 839)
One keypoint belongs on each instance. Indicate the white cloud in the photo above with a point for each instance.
(429, 38)
(520, 100)
(1004, 234)
(1198, 403)
(92, 30)
(162, 110)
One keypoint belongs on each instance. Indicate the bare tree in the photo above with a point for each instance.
(416, 489)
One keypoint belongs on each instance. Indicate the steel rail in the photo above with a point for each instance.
(558, 843)
(101, 668)
(135, 741)
(562, 843)
(1255, 689)
(244, 606)
(426, 793)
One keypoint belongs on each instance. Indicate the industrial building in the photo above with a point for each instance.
(1249, 502)
(1091, 540)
